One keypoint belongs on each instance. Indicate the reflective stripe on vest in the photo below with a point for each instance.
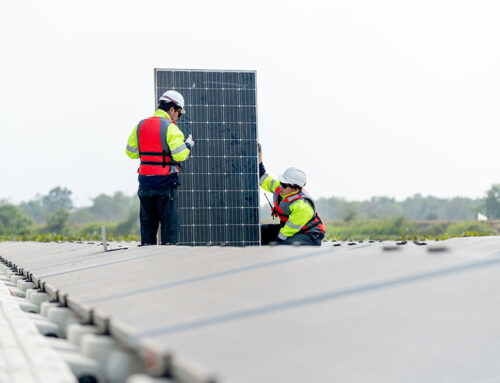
(282, 210)
(153, 148)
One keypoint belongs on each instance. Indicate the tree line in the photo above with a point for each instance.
(56, 213)
(416, 208)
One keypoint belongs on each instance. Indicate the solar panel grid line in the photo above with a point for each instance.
(215, 205)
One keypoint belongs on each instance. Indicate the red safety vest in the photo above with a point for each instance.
(154, 152)
(282, 210)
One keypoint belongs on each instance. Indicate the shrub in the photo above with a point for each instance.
(469, 228)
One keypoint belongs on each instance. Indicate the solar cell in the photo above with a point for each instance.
(218, 198)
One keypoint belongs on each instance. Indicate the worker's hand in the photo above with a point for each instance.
(189, 141)
(259, 150)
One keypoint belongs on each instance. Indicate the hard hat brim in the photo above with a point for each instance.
(283, 179)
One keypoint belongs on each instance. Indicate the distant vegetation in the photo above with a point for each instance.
(54, 217)
(416, 208)
(416, 217)
(401, 228)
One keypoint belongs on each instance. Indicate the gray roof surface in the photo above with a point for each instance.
(347, 313)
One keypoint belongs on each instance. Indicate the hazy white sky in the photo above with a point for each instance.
(370, 98)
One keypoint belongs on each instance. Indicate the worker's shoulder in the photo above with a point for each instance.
(163, 118)
(174, 129)
(301, 201)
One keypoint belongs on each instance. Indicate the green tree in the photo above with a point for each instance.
(331, 208)
(380, 207)
(41, 207)
(114, 207)
(13, 220)
(492, 202)
(106, 208)
(57, 221)
(34, 209)
(350, 214)
(432, 216)
(130, 225)
(58, 198)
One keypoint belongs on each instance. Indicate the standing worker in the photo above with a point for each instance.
(300, 222)
(160, 145)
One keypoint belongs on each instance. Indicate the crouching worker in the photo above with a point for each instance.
(300, 223)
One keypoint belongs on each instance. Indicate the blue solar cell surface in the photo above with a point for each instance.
(219, 195)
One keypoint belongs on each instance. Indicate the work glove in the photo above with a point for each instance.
(189, 141)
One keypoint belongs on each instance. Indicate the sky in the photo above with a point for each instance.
(369, 98)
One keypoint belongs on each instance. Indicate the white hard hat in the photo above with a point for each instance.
(293, 176)
(175, 97)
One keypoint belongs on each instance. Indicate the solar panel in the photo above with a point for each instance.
(219, 192)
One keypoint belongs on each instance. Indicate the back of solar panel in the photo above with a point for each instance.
(219, 192)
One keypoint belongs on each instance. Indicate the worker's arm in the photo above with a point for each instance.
(265, 181)
(175, 140)
(268, 184)
(301, 213)
(132, 149)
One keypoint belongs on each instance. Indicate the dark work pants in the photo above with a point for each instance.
(269, 232)
(159, 206)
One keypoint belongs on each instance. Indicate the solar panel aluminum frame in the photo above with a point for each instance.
(248, 229)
